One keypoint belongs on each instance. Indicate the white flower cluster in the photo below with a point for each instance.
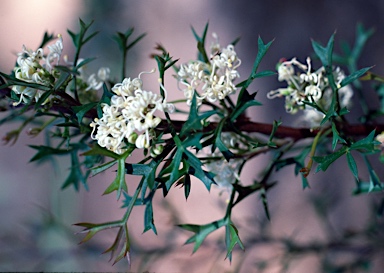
(214, 78)
(31, 69)
(311, 86)
(130, 118)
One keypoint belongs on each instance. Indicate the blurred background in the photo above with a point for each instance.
(36, 232)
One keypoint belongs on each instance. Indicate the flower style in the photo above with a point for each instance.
(130, 118)
(215, 78)
(310, 86)
(30, 69)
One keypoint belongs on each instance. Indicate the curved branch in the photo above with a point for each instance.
(357, 130)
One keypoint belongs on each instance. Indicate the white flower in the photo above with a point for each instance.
(214, 79)
(285, 71)
(313, 91)
(310, 86)
(131, 118)
(227, 172)
(380, 138)
(96, 82)
(103, 73)
(127, 87)
(55, 52)
(30, 69)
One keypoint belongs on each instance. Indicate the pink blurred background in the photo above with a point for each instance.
(36, 216)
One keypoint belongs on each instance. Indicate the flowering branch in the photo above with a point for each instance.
(100, 122)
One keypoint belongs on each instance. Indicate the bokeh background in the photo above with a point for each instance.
(36, 232)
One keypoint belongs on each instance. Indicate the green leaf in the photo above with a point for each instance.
(243, 105)
(83, 109)
(97, 150)
(201, 44)
(262, 50)
(362, 36)
(148, 219)
(354, 76)
(64, 76)
(373, 178)
(79, 38)
(76, 175)
(124, 253)
(43, 98)
(101, 168)
(324, 53)
(84, 62)
(187, 186)
(134, 42)
(124, 46)
(46, 39)
(194, 121)
(336, 137)
(119, 183)
(325, 161)
(197, 170)
(44, 151)
(263, 195)
(332, 112)
(276, 125)
(352, 165)
(368, 143)
(175, 165)
(219, 143)
(232, 234)
(11, 80)
(368, 187)
(201, 232)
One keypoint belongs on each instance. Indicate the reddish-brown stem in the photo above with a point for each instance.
(357, 130)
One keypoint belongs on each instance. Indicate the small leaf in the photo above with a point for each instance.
(44, 151)
(368, 187)
(124, 253)
(84, 62)
(187, 186)
(43, 98)
(119, 183)
(148, 219)
(354, 76)
(262, 50)
(324, 53)
(352, 165)
(368, 143)
(83, 109)
(263, 195)
(76, 175)
(336, 137)
(219, 143)
(194, 121)
(201, 232)
(101, 168)
(326, 161)
(201, 44)
(234, 239)
(98, 150)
